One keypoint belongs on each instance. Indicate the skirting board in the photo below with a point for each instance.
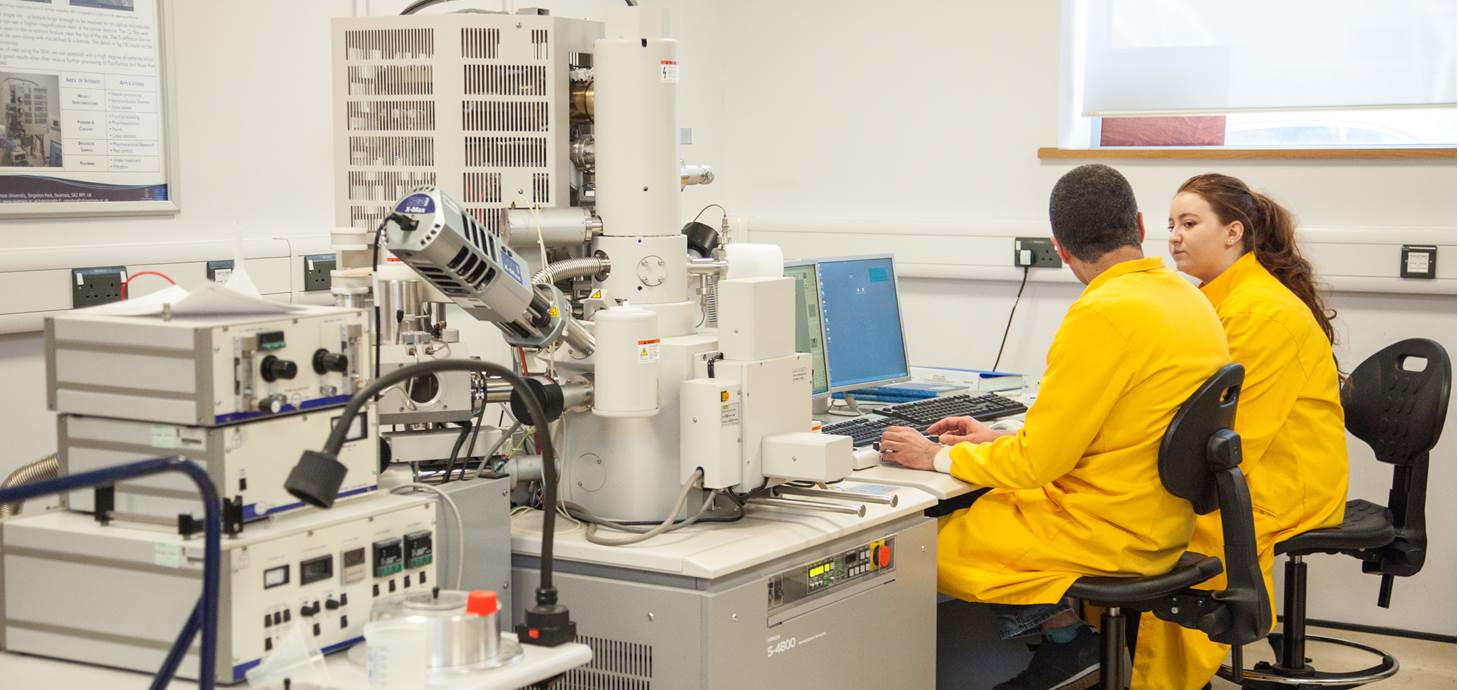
(34, 283)
(1345, 259)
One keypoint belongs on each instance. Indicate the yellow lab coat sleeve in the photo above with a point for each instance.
(1072, 406)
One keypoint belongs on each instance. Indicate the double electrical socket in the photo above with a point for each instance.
(1035, 252)
(96, 285)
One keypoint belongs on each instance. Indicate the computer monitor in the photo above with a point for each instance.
(809, 338)
(862, 321)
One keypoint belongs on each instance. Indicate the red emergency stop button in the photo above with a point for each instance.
(534, 633)
(883, 556)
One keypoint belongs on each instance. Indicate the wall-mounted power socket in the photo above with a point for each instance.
(316, 271)
(96, 285)
(1035, 252)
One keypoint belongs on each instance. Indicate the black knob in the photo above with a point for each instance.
(274, 368)
(326, 361)
(272, 404)
(331, 604)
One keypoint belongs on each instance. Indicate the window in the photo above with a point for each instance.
(1254, 74)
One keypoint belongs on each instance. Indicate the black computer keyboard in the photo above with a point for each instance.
(982, 407)
(863, 431)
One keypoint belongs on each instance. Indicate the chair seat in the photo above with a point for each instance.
(1364, 526)
(1191, 569)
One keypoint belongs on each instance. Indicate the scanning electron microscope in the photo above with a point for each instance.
(525, 169)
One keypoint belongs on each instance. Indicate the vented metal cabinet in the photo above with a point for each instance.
(783, 624)
(475, 103)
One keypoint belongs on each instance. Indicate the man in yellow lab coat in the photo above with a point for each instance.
(1076, 491)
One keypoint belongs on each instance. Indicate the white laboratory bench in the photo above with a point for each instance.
(711, 551)
(25, 672)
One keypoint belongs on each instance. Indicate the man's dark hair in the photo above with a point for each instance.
(1093, 211)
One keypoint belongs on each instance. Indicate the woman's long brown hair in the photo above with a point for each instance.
(1270, 232)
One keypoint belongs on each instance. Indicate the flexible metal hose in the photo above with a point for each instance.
(567, 269)
(711, 301)
(48, 467)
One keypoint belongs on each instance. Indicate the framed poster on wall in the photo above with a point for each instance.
(85, 108)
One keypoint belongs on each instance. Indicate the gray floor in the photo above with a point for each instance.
(1422, 665)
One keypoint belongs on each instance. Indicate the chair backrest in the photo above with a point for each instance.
(1396, 402)
(1397, 399)
(1184, 460)
(1200, 461)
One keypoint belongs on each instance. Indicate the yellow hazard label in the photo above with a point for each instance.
(597, 294)
(648, 351)
(553, 312)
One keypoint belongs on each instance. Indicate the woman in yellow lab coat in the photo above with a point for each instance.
(1241, 245)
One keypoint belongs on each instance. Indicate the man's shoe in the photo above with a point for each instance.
(1073, 665)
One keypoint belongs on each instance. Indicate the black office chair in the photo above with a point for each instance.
(1199, 461)
(1400, 413)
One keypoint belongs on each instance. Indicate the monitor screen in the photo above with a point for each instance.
(862, 322)
(808, 332)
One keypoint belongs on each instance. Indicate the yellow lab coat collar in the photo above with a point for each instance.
(1148, 263)
(1218, 289)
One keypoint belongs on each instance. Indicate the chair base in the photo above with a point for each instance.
(1268, 677)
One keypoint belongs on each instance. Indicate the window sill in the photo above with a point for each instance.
(1197, 153)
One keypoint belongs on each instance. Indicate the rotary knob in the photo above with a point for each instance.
(272, 404)
(326, 361)
(274, 368)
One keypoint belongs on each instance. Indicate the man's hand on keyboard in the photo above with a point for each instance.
(908, 447)
(955, 430)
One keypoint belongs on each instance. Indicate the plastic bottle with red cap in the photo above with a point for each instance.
(481, 602)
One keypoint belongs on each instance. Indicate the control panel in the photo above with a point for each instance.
(205, 371)
(280, 369)
(322, 580)
(828, 574)
(306, 574)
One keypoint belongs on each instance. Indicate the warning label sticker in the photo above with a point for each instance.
(800, 374)
(669, 71)
(648, 351)
(729, 414)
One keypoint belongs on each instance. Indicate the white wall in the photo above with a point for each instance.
(924, 118)
(254, 130)
(897, 114)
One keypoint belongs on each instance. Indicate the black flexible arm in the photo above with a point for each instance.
(317, 477)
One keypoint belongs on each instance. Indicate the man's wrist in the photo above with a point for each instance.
(943, 461)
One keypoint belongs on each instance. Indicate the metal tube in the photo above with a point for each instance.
(858, 511)
(698, 266)
(563, 226)
(498, 391)
(581, 100)
(577, 336)
(569, 269)
(836, 495)
(1294, 642)
(524, 468)
(1112, 634)
(48, 467)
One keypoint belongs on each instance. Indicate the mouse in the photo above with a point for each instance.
(1006, 425)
